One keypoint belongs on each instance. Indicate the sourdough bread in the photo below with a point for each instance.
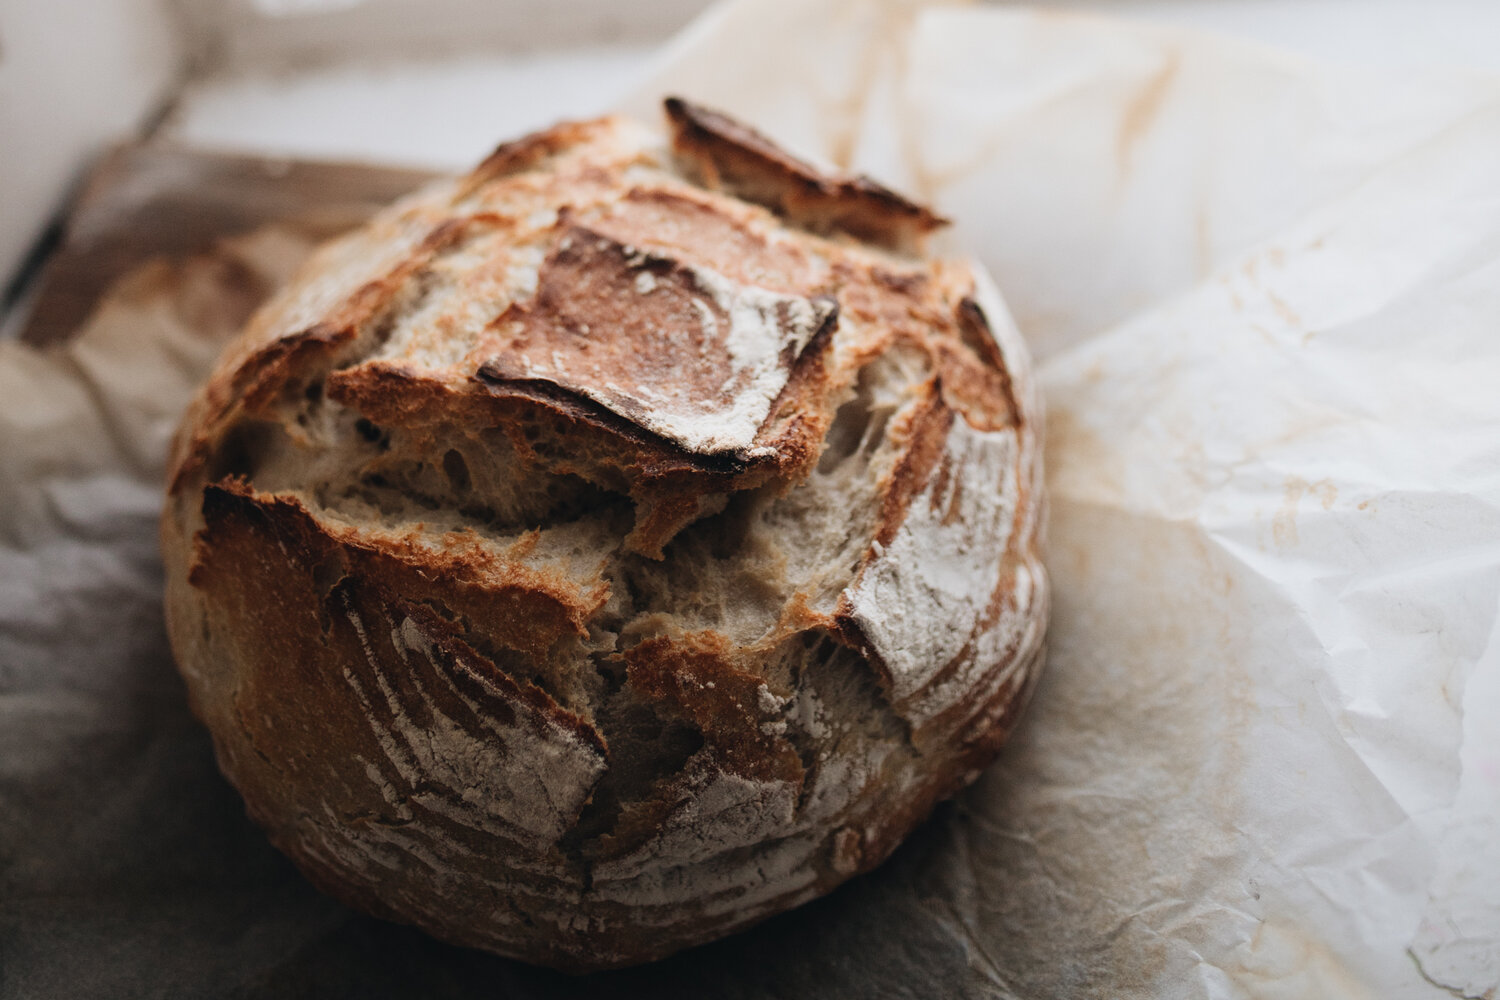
(608, 549)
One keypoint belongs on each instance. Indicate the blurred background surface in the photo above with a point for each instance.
(436, 83)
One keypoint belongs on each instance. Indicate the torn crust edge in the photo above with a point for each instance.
(721, 153)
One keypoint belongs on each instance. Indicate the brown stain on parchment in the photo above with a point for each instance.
(926, 182)
(844, 113)
(886, 51)
(1143, 110)
(1272, 259)
(1284, 521)
(1202, 241)
(1282, 959)
(1284, 311)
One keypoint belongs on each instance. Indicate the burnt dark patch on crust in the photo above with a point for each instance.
(724, 154)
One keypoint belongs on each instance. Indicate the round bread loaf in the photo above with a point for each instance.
(611, 548)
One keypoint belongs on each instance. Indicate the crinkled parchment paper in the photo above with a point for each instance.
(1264, 300)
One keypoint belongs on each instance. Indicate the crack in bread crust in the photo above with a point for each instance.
(583, 562)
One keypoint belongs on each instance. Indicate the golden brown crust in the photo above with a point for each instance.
(694, 677)
(583, 563)
(723, 153)
(666, 363)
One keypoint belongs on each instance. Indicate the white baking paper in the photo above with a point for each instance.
(1264, 300)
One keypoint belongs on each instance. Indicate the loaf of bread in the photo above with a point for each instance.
(613, 547)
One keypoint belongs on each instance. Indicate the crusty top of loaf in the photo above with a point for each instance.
(489, 295)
